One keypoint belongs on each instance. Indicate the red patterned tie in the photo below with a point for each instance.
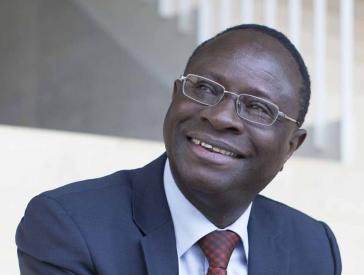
(217, 247)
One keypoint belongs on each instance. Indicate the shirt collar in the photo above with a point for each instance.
(190, 224)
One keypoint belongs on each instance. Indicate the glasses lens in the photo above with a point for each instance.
(202, 90)
(257, 110)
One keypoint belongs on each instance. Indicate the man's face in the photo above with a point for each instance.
(246, 62)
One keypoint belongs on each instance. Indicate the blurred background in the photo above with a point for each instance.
(85, 84)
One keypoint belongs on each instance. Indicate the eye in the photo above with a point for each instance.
(259, 108)
(205, 87)
(256, 106)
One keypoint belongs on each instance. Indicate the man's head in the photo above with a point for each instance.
(219, 160)
(305, 90)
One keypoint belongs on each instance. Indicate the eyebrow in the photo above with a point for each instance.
(249, 90)
(258, 93)
(214, 76)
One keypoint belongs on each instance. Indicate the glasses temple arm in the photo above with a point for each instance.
(281, 114)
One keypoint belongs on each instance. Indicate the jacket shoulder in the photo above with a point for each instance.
(118, 179)
(286, 217)
(273, 207)
(308, 240)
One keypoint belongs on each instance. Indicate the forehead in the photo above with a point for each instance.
(249, 60)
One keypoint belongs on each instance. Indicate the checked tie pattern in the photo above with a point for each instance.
(218, 247)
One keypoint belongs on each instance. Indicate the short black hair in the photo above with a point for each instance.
(305, 89)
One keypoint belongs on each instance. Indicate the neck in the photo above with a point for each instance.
(219, 210)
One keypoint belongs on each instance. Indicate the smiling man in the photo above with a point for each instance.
(234, 121)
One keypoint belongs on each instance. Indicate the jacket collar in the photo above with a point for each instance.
(150, 207)
(152, 216)
(267, 253)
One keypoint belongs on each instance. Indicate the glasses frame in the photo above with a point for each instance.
(279, 114)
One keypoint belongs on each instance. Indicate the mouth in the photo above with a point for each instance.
(214, 148)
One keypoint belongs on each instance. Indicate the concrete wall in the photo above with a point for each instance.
(107, 67)
(61, 70)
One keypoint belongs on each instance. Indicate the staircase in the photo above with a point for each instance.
(151, 40)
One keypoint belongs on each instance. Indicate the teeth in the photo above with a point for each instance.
(208, 146)
(196, 141)
(213, 148)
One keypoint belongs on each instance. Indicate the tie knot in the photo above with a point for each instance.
(218, 247)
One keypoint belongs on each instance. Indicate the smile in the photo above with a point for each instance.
(213, 148)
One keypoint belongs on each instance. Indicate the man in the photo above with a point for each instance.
(233, 122)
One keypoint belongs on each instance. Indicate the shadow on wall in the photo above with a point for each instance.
(61, 71)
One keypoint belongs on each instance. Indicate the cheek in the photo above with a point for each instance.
(184, 107)
(181, 110)
(178, 113)
(271, 146)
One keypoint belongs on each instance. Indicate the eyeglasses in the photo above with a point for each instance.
(252, 108)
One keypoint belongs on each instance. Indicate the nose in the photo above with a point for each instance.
(223, 116)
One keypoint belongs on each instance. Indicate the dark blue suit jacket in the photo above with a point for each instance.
(121, 224)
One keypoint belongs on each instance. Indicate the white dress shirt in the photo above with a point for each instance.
(190, 225)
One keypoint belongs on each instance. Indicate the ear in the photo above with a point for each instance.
(176, 87)
(297, 138)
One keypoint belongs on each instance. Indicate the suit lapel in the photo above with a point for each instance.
(151, 214)
(160, 253)
(267, 253)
